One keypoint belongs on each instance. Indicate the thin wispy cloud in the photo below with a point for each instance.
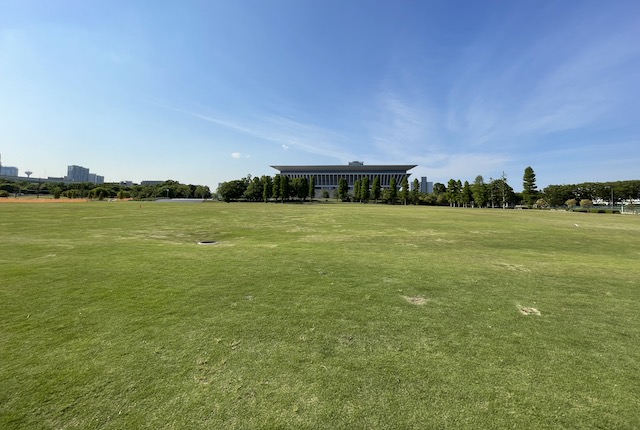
(286, 132)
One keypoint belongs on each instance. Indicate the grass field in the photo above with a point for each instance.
(317, 316)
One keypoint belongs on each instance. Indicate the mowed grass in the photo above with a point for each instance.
(316, 316)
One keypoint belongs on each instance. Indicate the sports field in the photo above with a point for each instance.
(336, 316)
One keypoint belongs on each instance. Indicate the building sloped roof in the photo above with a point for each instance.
(346, 168)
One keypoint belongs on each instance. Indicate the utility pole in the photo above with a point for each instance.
(504, 197)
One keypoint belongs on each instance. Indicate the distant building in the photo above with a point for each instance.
(327, 177)
(96, 179)
(8, 171)
(152, 182)
(126, 183)
(426, 187)
(77, 174)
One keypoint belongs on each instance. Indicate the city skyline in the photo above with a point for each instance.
(204, 93)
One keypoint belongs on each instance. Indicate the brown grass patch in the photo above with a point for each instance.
(41, 200)
(524, 310)
(416, 300)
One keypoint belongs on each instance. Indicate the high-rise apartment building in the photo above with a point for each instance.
(77, 174)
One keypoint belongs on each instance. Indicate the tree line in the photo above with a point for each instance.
(170, 189)
(494, 193)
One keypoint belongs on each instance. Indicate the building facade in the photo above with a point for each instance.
(426, 187)
(77, 174)
(8, 171)
(327, 177)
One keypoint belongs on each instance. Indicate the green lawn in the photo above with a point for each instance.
(336, 316)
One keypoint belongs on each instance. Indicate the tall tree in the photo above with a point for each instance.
(267, 188)
(312, 188)
(404, 192)
(343, 189)
(415, 192)
(277, 183)
(254, 190)
(301, 188)
(285, 188)
(466, 195)
(356, 190)
(479, 191)
(393, 191)
(502, 193)
(364, 189)
(375, 189)
(529, 188)
(453, 192)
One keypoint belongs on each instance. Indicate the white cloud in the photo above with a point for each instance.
(285, 147)
(236, 155)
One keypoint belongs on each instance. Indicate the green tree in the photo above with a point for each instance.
(439, 188)
(404, 192)
(415, 192)
(502, 194)
(267, 188)
(571, 203)
(343, 189)
(393, 191)
(364, 189)
(557, 195)
(277, 184)
(198, 192)
(453, 192)
(232, 190)
(285, 188)
(356, 190)
(529, 188)
(301, 188)
(325, 194)
(375, 189)
(254, 190)
(312, 188)
(466, 196)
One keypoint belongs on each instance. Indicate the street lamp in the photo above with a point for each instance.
(611, 188)
(167, 192)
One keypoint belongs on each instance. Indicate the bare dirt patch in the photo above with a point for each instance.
(419, 301)
(524, 310)
(42, 200)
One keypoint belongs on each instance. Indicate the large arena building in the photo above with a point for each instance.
(327, 177)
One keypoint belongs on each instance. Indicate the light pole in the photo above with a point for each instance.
(167, 192)
(611, 188)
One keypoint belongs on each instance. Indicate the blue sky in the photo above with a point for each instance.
(204, 92)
